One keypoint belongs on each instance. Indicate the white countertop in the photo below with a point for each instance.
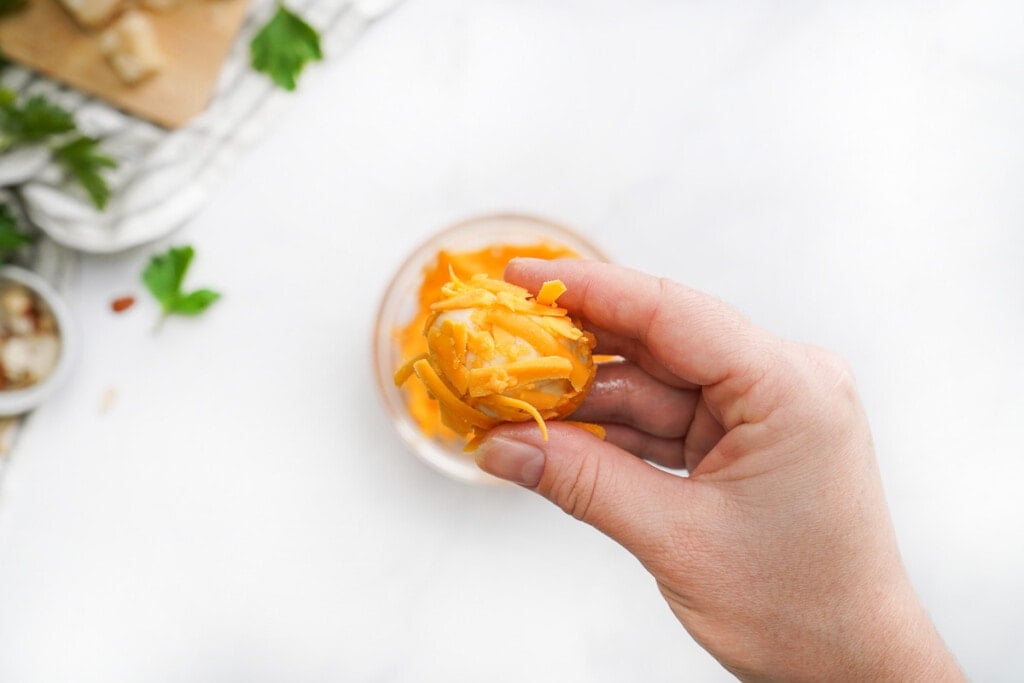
(848, 174)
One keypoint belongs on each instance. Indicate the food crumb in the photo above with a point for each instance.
(122, 303)
(107, 399)
(8, 430)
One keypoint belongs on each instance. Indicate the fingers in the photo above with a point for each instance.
(664, 424)
(704, 433)
(665, 452)
(614, 344)
(593, 480)
(624, 393)
(695, 336)
(692, 336)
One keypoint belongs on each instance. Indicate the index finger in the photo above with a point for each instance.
(695, 336)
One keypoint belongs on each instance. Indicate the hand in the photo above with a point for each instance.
(776, 553)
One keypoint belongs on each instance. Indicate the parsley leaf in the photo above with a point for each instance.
(11, 239)
(38, 120)
(81, 160)
(164, 277)
(283, 46)
(196, 302)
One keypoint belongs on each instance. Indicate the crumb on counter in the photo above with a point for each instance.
(122, 303)
(107, 400)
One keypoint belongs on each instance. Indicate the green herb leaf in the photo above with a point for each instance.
(82, 161)
(196, 302)
(11, 239)
(36, 120)
(39, 120)
(165, 273)
(164, 277)
(283, 47)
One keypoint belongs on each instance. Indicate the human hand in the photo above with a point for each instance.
(777, 553)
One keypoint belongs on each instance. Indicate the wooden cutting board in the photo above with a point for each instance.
(194, 37)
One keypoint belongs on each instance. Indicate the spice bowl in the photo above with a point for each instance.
(37, 340)
(403, 300)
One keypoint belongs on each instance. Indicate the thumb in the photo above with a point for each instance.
(590, 479)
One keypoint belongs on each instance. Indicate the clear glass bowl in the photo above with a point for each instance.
(399, 306)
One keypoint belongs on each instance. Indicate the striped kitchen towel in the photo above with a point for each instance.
(164, 176)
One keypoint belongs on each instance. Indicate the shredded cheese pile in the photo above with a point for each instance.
(496, 354)
(410, 339)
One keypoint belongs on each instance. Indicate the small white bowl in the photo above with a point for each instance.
(398, 307)
(17, 401)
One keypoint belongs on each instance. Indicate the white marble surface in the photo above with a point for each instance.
(849, 174)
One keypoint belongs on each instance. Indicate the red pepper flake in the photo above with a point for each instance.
(122, 304)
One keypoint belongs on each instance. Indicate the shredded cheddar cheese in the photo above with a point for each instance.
(550, 291)
(485, 351)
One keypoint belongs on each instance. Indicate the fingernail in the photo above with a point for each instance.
(511, 460)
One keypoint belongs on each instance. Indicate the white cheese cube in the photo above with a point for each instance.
(130, 45)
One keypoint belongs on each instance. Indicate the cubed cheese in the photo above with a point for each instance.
(130, 45)
(92, 13)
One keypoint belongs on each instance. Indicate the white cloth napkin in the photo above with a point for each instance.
(164, 177)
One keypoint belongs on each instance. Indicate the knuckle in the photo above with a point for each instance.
(656, 320)
(829, 382)
(753, 391)
(834, 371)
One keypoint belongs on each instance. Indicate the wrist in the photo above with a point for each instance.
(881, 635)
(907, 647)
(891, 638)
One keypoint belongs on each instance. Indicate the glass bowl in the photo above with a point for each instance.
(399, 306)
(17, 401)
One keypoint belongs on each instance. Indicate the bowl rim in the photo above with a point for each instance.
(18, 401)
(427, 449)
